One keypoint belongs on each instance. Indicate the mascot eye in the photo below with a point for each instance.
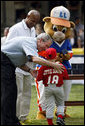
(64, 30)
(54, 28)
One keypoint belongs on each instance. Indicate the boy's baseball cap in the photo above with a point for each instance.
(60, 16)
(51, 53)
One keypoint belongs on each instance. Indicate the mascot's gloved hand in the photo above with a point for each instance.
(59, 58)
(65, 55)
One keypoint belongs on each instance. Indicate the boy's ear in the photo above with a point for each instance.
(46, 19)
(72, 24)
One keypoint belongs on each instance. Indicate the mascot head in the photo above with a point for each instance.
(58, 25)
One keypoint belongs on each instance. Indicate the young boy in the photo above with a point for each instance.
(54, 93)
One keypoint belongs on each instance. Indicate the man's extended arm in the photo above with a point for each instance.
(44, 62)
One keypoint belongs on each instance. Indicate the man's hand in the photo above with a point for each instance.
(25, 68)
(44, 62)
(58, 67)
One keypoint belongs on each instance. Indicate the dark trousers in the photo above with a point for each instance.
(8, 92)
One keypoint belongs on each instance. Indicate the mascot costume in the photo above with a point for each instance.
(58, 27)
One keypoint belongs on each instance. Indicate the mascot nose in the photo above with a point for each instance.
(59, 33)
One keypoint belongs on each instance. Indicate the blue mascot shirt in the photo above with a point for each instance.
(59, 47)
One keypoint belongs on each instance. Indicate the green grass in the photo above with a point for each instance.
(76, 112)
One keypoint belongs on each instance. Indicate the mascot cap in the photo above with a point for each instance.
(51, 53)
(60, 16)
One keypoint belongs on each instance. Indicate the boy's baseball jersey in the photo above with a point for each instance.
(51, 76)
